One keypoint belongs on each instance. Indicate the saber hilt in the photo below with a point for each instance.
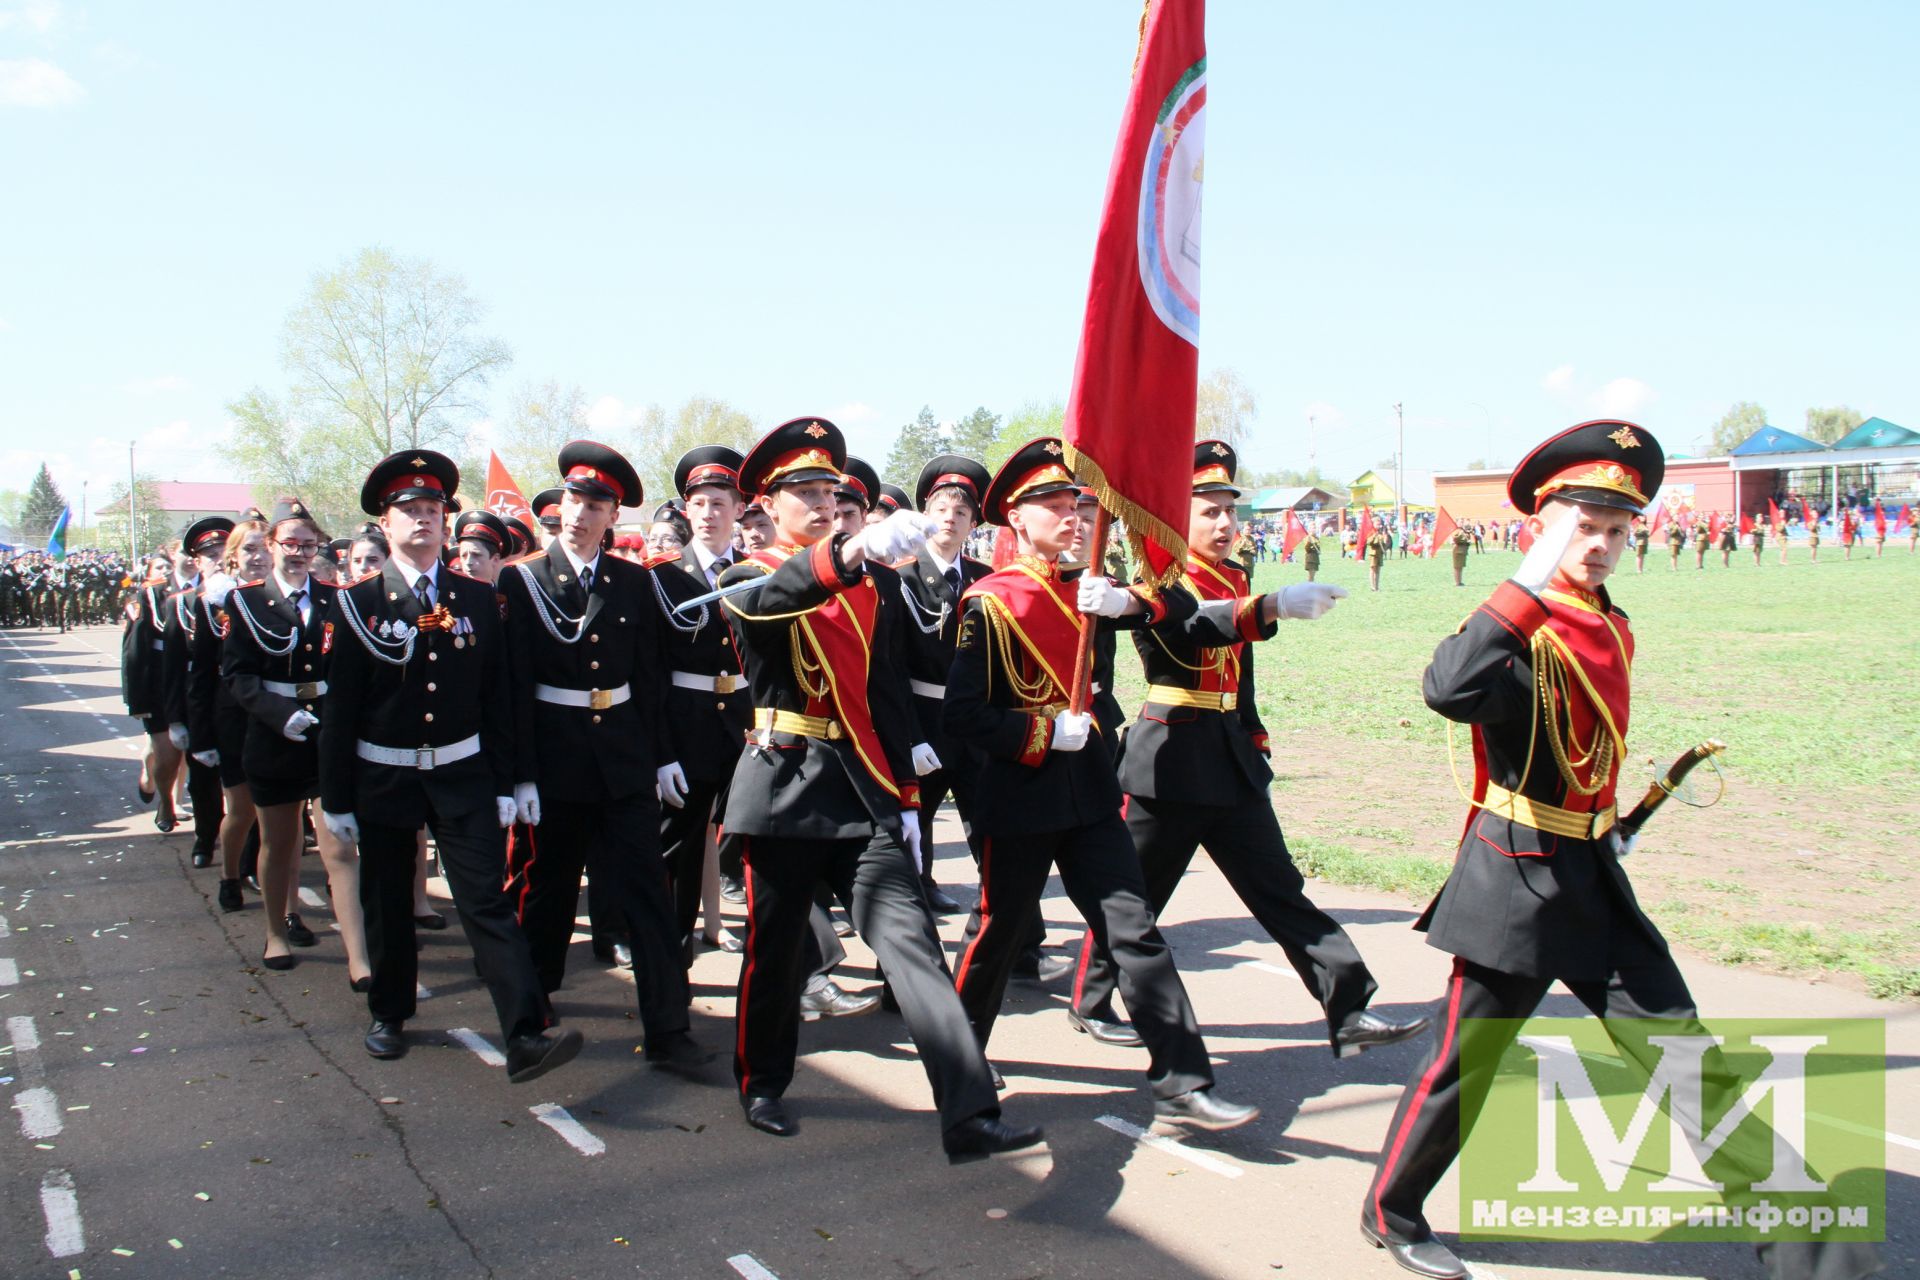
(1663, 788)
(734, 589)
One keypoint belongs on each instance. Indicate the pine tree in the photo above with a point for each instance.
(975, 435)
(42, 508)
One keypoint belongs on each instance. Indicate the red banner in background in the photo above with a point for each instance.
(1295, 535)
(1443, 527)
(504, 498)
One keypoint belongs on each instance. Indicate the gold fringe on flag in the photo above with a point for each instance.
(1142, 524)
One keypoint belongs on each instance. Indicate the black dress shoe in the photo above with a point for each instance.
(202, 857)
(678, 1053)
(1052, 967)
(431, 920)
(1199, 1109)
(999, 1081)
(165, 821)
(229, 896)
(1369, 1030)
(385, 1040)
(530, 1057)
(732, 890)
(984, 1136)
(146, 796)
(940, 900)
(1104, 1031)
(827, 1000)
(768, 1116)
(1426, 1257)
(361, 985)
(298, 933)
(277, 963)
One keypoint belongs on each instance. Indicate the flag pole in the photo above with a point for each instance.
(1081, 694)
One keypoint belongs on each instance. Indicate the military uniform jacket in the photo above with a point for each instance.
(1198, 755)
(816, 640)
(141, 644)
(401, 677)
(705, 728)
(266, 643)
(1520, 898)
(932, 629)
(1461, 541)
(183, 617)
(207, 694)
(568, 639)
(1011, 671)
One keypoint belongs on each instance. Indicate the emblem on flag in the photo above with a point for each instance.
(1170, 188)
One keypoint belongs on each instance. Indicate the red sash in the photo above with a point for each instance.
(1040, 610)
(840, 635)
(1596, 646)
(1225, 581)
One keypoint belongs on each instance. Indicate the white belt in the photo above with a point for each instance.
(422, 758)
(597, 699)
(926, 690)
(311, 689)
(725, 682)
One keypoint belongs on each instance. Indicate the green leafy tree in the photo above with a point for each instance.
(918, 443)
(150, 527)
(1827, 425)
(1033, 419)
(663, 437)
(975, 435)
(1735, 425)
(42, 507)
(536, 420)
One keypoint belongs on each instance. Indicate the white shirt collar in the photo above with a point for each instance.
(705, 558)
(411, 577)
(577, 563)
(287, 590)
(940, 562)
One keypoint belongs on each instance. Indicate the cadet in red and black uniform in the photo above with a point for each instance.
(206, 541)
(825, 790)
(1537, 893)
(583, 639)
(1047, 794)
(1195, 773)
(420, 731)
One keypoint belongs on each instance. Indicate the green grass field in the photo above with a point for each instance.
(1811, 861)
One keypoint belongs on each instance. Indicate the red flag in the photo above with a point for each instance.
(1295, 535)
(1130, 414)
(1906, 518)
(1806, 513)
(1443, 527)
(1715, 526)
(1746, 524)
(1774, 520)
(503, 495)
(1879, 519)
(1522, 538)
(1006, 545)
(1659, 519)
(1366, 532)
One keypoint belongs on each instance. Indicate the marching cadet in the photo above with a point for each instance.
(1702, 533)
(891, 498)
(825, 790)
(216, 724)
(420, 730)
(482, 543)
(1813, 541)
(708, 710)
(1642, 539)
(546, 513)
(274, 662)
(583, 646)
(1195, 773)
(1310, 553)
(1537, 892)
(1376, 552)
(1729, 539)
(205, 541)
(1676, 539)
(1047, 794)
(1759, 540)
(143, 685)
(1461, 540)
(948, 492)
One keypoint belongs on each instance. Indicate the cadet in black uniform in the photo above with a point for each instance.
(1047, 793)
(206, 542)
(143, 685)
(420, 730)
(825, 790)
(1538, 893)
(583, 640)
(1195, 772)
(482, 542)
(216, 724)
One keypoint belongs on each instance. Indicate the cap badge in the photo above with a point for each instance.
(815, 430)
(1220, 450)
(419, 462)
(1625, 438)
(1052, 448)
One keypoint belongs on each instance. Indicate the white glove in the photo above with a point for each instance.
(1070, 731)
(910, 830)
(211, 759)
(526, 803)
(177, 735)
(507, 809)
(1622, 845)
(924, 759)
(343, 825)
(1543, 557)
(900, 535)
(1307, 600)
(1101, 598)
(216, 587)
(670, 785)
(297, 725)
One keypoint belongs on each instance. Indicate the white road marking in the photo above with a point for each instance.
(65, 1234)
(1481, 1273)
(751, 1267)
(21, 1032)
(481, 1048)
(555, 1117)
(1199, 1159)
(311, 899)
(9, 973)
(3, 924)
(39, 1114)
(1264, 967)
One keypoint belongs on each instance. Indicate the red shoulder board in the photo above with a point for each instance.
(654, 562)
(897, 565)
(256, 582)
(362, 578)
(447, 568)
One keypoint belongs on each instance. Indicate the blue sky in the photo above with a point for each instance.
(1508, 217)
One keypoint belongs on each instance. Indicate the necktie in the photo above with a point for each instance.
(423, 591)
(953, 579)
(719, 566)
(586, 580)
(299, 602)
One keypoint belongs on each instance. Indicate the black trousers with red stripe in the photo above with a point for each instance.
(1101, 874)
(617, 843)
(1244, 841)
(876, 874)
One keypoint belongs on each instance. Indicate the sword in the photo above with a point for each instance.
(1664, 788)
(688, 606)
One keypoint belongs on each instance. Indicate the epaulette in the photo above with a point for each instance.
(447, 568)
(898, 565)
(374, 573)
(654, 562)
(531, 556)
(256, 582)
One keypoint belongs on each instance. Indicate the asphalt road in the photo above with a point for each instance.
(181, 1111)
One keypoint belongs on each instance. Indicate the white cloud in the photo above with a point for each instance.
(153, 386)
(1560, 381)
(1622, 398)
(34, 82)
(610, 413)
(29, 15)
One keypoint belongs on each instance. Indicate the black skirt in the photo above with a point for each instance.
(230, 736)
(269, 791)
(156, 726)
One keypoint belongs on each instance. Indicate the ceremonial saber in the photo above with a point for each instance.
(1663, 788)
(687, 606)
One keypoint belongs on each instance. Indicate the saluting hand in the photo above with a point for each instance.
(1543, 557)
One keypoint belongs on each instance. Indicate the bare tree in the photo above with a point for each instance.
(1224, 408)
(536, 420)
(663, 437)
